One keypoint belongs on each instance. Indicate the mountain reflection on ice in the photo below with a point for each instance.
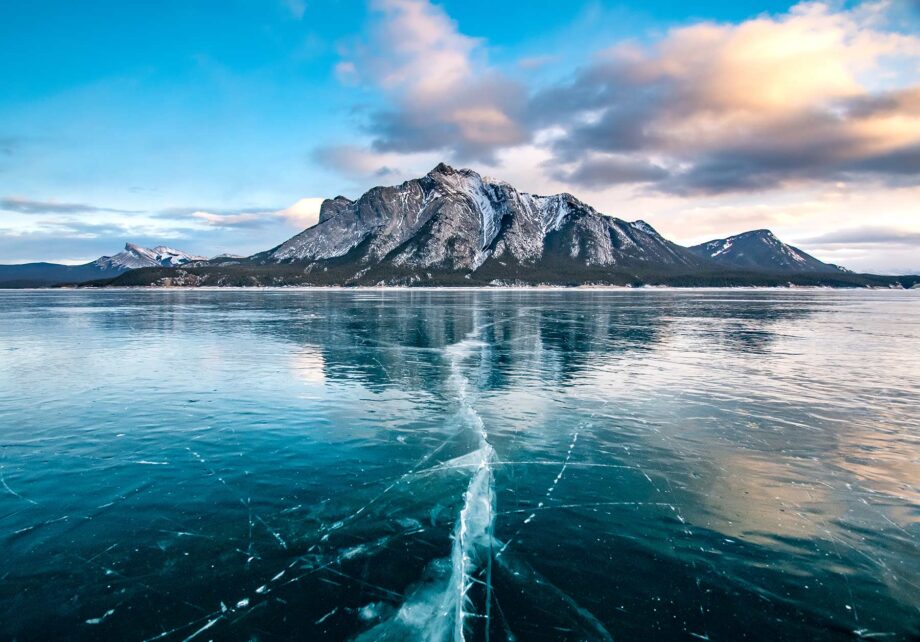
(459, 465)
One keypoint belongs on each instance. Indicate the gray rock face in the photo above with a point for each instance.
(456, 220)
(761, 250)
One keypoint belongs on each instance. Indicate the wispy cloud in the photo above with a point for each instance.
(365, 165)
(222, 217)
(29, 206)
(535, 62)
(73, 232)
(873, 248)
(868, 236)
(296, 8)
(74, 243)
(303, 213)
(177, 217)
(75, 238)
(229, 220)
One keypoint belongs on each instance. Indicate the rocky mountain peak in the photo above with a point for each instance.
(444, 169)
(760, 234)
(136, 256)
(453, 219)
(761, 250)
(333, 206)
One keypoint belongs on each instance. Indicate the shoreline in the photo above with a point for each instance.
(507, 288)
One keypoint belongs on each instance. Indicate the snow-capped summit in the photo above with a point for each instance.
(170, 257)
(761, 250)
(457, 221)
(135, 256)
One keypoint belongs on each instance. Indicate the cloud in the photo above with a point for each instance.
(763, 104)
(349, 159)
(296, 8)
(346, 72)
(818, 94)
(247, 217)
(54, 246)
(76, 238)
(77, 229)
(879, 248)
(904, 162)
(304, 213)
(73, 219)
(442, 94)
(868, 236)
(535, 62)
(29, 206)
(368, 166)
(229, 220)
(602, 171)
(301, 214)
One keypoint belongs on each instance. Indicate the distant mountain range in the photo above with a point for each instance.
(452, 227)
(131, 258)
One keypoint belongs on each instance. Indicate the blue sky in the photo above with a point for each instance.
(219, 126)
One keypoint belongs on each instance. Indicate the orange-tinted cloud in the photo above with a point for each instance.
(767, 103)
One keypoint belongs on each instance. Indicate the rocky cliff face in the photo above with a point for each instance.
(456, 221)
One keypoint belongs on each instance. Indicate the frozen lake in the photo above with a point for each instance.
(459, 465)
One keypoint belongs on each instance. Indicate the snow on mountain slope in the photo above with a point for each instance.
(761, 250)
(456, 220)
(135, 256)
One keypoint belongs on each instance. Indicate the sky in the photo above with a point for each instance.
(219, 126)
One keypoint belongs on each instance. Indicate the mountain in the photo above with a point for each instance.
(132, 257)
(36, 275)
(457, 221)
(456, 224)
(226, 257)
(135, 256)
(761, 250)
(454, 227)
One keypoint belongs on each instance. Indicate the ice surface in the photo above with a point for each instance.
(461, 465)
